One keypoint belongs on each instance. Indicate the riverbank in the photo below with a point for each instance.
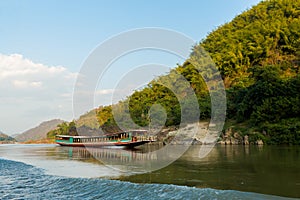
(41, 141)
(200, 134)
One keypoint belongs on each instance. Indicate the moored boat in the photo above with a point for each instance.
(128, 139)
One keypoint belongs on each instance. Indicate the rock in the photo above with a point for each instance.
(196, 141)
(234, 141)
(246, 140)
(222, 142)
(236, 135)
(228, 132)
(259, 142)
(227, 142)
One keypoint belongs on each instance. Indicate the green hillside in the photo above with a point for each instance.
(267, 34)
(88, 119)
(258, 55)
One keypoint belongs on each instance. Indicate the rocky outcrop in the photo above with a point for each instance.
(259, 142)
(231, 137)
(194, 133)
(246, 140)
(198, 133)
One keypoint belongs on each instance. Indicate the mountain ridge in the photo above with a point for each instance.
(38, 132)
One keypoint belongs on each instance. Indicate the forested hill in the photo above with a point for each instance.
(257, 54)
(267, 34)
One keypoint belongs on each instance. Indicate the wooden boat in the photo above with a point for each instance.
(128, 139)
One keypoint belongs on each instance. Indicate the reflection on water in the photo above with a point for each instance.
(141, 160)
(120, 159)
(115, 155)
(130, 161)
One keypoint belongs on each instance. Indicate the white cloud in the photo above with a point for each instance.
(104, 91)
(16, 65)
(27, 84)
(31, 92)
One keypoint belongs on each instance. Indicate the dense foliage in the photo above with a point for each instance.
(267, 34)
(270, 106)
(64, 128)
(258, 54)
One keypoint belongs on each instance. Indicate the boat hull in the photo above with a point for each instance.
(106, 144)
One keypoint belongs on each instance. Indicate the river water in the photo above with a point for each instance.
(228, 172)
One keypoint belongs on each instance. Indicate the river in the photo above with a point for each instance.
(228, 172)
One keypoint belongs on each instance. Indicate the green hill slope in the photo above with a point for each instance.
(258, 55)
(267, 34)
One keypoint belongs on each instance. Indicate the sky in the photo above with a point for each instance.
(44, 44)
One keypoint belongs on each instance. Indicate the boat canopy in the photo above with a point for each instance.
(133, 132)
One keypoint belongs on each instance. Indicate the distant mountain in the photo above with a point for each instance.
(39, 132)
(5, 138)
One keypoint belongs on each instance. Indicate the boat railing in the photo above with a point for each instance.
(146, 138)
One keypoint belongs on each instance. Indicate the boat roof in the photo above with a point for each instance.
(78, 136)
(97, 136)
(137, 130)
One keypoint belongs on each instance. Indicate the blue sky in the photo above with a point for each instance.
(64, 32)
(44, 43)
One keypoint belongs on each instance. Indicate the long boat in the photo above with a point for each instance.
(128, 139)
